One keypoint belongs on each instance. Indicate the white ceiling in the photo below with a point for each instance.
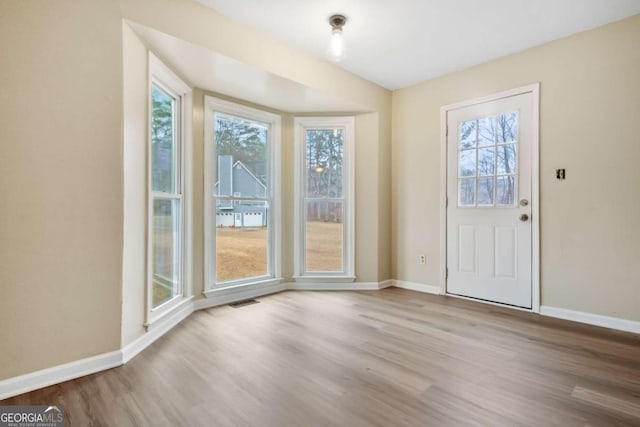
(396, 43)
(210, 70)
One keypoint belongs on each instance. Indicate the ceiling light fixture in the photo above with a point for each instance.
(336, 50)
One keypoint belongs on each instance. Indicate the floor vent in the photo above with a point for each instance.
(243, 303)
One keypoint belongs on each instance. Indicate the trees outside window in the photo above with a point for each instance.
(169, 99)
(324, 207)
(242, 194)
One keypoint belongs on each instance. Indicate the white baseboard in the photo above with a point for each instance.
(228, 295)
(322, 286)
(58, 374)
(591, 319)
(386, 284)
(420, 287)
(160, 327)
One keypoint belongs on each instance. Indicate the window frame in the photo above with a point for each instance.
(163, 77)
(301, 124)
(212, 106)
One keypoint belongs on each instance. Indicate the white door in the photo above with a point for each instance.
(238, 219)
(489, 188)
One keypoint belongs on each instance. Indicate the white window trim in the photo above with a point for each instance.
(164, 77)
(216, 105)
(348, 170)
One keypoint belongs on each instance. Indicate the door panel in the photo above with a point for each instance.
(504, 249)
(467, 249)
(488, 174)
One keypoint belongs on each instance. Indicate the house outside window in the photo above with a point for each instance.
(242, 184)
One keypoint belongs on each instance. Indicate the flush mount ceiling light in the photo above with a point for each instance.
(336, 50)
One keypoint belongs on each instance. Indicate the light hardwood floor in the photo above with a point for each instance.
(386, 358)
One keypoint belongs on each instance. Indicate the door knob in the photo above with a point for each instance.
(524, 217)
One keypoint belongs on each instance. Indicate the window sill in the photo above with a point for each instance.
(324, 279)
(183, 306)
(237, 288)
(239, 292)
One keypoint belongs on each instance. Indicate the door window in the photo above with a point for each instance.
(487, 161)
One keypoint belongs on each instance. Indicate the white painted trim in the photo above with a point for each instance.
(216, 105)
(386, 284)
(185, 305)
(443, 201)
(534, 89)
(333, 286)
(300, 124)
(58, 374)
(492, 97)
(161, 75)
(420, 287)
(591, 319)
(156, 330)
(535, 199)
(188, 194)
(221, 296)
(325, 279)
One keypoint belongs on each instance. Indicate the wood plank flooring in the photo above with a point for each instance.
(381, 358)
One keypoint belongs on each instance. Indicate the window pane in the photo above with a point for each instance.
(468, 134)
(505, 190)
(242, 232)
(507, 125)
(467, 163)
(506, 159)
(486, 131)
(164, 150)
(324, 155)
(324, 236)
(467, 192)
(166, 250)
(485, 191)
(486, 161)
(241, 150)
(242, 241)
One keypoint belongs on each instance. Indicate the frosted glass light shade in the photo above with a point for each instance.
(336, 50)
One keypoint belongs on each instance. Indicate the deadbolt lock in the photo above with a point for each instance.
(524, 202)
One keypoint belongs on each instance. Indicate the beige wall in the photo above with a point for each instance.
(62, 230)
(384, 196)
(65, 257)
(366, 204)
(61, 185)
(590, 223)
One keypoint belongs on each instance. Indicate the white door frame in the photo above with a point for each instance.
(534, 89)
